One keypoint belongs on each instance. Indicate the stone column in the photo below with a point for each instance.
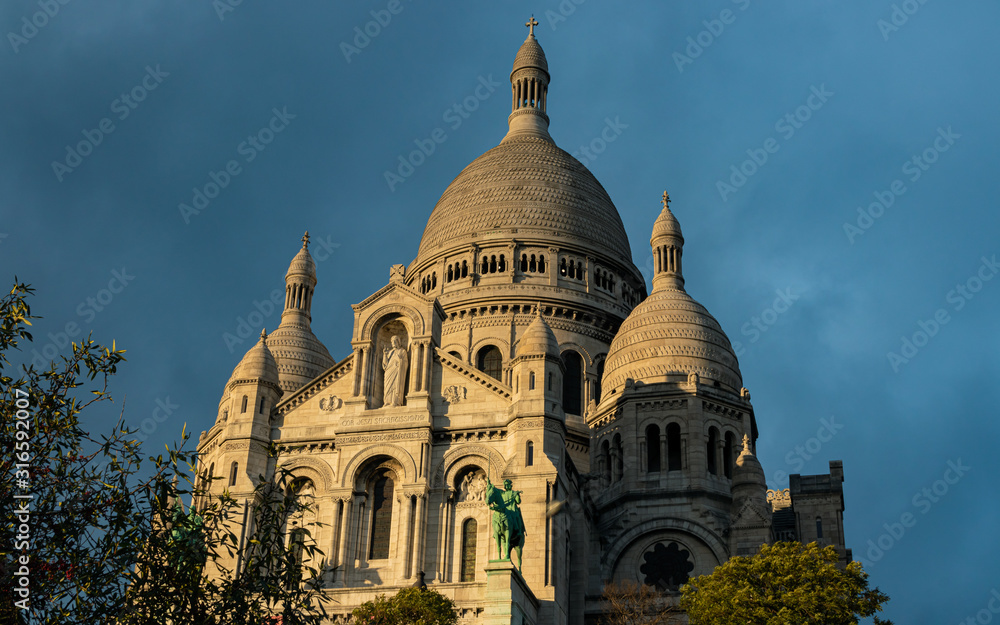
(420, 539)
(405, 528)
(345, 538)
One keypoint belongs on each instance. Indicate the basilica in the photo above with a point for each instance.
(520, 344)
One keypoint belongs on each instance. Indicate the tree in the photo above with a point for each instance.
(631, 603)
(786, 582)
(96, 533)
(410, 606)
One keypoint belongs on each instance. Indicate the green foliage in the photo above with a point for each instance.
(785, 583)
(410, 606)
(109, 540)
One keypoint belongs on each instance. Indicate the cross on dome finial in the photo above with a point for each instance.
(666, 200)
(305, 240)
(531, 26)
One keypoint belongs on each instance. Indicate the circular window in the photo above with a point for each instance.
(666, 566)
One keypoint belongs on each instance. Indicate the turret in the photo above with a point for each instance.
(529, 86)
(299, 355)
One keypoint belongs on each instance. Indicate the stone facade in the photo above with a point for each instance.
(525, 348)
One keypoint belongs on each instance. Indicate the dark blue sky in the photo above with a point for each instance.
(900, 114)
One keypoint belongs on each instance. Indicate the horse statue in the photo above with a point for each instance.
(508, 525)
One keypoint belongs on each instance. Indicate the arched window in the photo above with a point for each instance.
(713, 443)
(381, 516)
(234, 470)
(619, 458)
(524, 262)
(562, 267)
(465, 269)
(434, 280)
(606, 459)
(819, 528)
(455, 354)
(502, 266)
(261, 409)
(490, 361)
(533, 265)
(597, 385)
(674, 447)
(531, 381)
(529, 454)
(572, 382)
(727, 455)
(493, 264)
(208, 478)
(541, 264)
(653, 448)
(469, 550)
(451, 273)
(485, 265)
(243, 408)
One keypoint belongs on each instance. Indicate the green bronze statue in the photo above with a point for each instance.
(508, 525)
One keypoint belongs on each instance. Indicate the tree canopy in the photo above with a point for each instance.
(98, 533)
(410, 606)
(786, 582)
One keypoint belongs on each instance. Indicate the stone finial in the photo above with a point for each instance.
(305, 240)
(531, 26)
(746, 444)
(666, 200)
(263, 334)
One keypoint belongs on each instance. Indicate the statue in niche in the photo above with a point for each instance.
(473, 486)
(394, 361)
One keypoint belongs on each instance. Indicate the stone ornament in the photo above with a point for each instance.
(454, 394)
(331, 403)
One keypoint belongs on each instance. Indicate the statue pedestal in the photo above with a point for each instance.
(509, 601)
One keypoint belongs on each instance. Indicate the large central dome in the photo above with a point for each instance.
(531, 188)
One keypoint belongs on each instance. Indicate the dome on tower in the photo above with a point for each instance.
(530, 55)
(666, 225)
(257, 364)
(669, 333)
(538, 339)
(302, 265)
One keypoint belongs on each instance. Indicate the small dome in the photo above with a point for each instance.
(748, 470)
(530, 55)
(666, 225)
(538, 339)
(303, 264)
(257, 364)
(669, 333)
(300, 356)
